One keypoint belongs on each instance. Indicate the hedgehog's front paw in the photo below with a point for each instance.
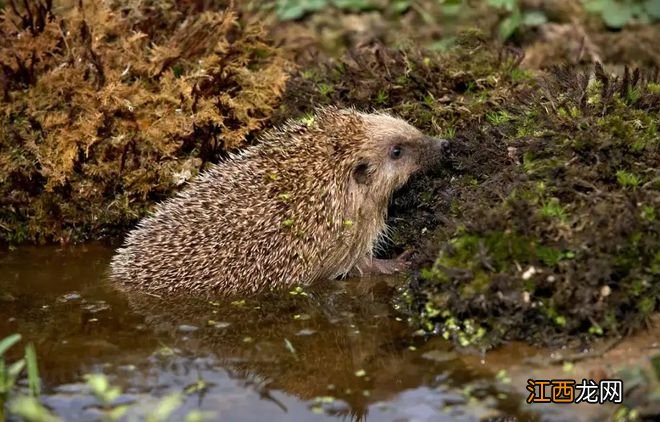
(377, 266)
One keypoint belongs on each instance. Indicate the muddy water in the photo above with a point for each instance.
(333, 353)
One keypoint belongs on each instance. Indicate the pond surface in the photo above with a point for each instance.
(334, 352)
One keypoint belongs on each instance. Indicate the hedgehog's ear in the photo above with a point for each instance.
(362, 172)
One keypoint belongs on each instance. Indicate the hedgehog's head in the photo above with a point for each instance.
(393, 150)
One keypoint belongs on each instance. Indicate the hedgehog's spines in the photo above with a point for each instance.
(275, 214)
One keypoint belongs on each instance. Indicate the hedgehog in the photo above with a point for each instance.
(308, 202)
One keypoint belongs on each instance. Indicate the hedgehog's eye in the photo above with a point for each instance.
(395, 152)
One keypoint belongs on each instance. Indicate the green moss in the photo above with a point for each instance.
(536, 166)
(479, 284)
(549, 256)
(553, 209)
(648, 213)
(572, 112)
(381, 97)
(627, 179)
(655, 264)
(325, 89)
(498, 117)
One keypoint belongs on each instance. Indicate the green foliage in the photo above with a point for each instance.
(30, 409)
(34, 382)
(106, 394)
(296, 9)
(381, 97)
(7, 342)
(554, 205)
(627, 179)
(617, 13)
(516, 17)
(498, 117)
(554, 209)
(10, 373)
(101, 388)
(165, 408)
(325, 89)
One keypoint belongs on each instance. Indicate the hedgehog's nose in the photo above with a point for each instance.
(440, 145)
(443, 145)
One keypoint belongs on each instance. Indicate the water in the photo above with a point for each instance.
(336, 352)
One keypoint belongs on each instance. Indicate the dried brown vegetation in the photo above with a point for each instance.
(107, 108)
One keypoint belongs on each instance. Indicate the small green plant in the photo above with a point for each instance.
(499, 117)
(30, 410)
(325, 89)
(449, 132)
(627, 179)
(617, 13)
(381, 97)
(106, 394)
(10, 373)
(554, 209)
(648, 213)
(165, 408)
(516, 17)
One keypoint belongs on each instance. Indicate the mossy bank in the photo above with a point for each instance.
(544, 225)
(563, 238)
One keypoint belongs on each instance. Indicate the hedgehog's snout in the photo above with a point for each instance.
(442, 145)
(438, 149)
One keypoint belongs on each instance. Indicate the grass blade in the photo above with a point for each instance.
(7, 342)
(32, 370)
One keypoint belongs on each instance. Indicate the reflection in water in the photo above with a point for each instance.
(328, 352)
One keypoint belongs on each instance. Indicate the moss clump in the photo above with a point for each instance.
(108, 108)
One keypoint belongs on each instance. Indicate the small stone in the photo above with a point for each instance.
(605, 291)
(220, 324)
(183, 328)
(69, 297)
(529, 273)
(440, 356)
